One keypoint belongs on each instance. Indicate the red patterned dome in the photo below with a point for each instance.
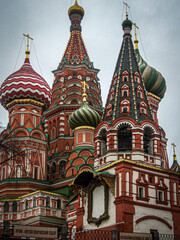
(25, 84)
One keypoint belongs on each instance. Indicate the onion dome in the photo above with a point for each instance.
(76, 9)
(84, 116)
(154, 81)
(127, 22)
(25, 84)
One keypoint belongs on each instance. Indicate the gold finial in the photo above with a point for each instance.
(84, 90)
(127, 6)
(77, 8)
(136, 40)
(174, 155)
(27, 51)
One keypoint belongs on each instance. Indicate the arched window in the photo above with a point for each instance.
(62, 165)
(34, 202)
(124, 109)
(103, 142)
(47, 202)
(148, 143)
(14, 206)
(124, 139)
(125, 93)
(6, 207)
(59, 204)
(125, 79)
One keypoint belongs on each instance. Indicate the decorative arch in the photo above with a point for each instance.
(37, 134)
(154, 218)
(72, 171)
(149, 127)
(86, 167)
(78, 161)
(73, 155)
(90, 160)
(123, 124)
(85, 153)
(17, 132)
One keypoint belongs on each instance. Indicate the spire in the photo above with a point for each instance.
(75, 52)
(127, 95)
(175, 166)
(27, 50)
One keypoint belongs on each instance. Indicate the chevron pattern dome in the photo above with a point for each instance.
(84, 116)
(154, 81)
(25, 84)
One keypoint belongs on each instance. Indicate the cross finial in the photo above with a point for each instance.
(136, 40)
(127, 6)
(27, 51)
(84, 90)
(174, 151)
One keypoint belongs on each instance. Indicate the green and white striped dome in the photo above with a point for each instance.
(154, 81)
(84, 116)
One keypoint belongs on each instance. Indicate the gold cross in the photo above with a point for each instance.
(136, 27)
(84, 90)
(28, 37)
(127, 6)
(136, 40)
(174, 147)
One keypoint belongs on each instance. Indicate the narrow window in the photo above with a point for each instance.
(72, 172)
(125, 94)
(26, 205)
(141, 192)
(6, 207)
(36, 173)
(22, 119)
(160, 196)
(18, 172)
(4, 174)
(71, 207)
(34, 121)
(59, 204)
(34, 202)
(125, 79)
(84, 137)
(14, 206)
(47, 202)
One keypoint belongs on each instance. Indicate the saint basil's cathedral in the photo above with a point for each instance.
(66, 160)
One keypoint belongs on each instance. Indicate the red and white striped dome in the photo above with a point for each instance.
(25, 84)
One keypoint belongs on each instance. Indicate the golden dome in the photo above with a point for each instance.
(76, 9)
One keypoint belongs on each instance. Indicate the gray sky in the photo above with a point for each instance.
(48, 23)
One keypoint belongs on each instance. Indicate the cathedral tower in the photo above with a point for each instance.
(74, 68)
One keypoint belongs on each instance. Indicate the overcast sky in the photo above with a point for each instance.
(48, 23)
